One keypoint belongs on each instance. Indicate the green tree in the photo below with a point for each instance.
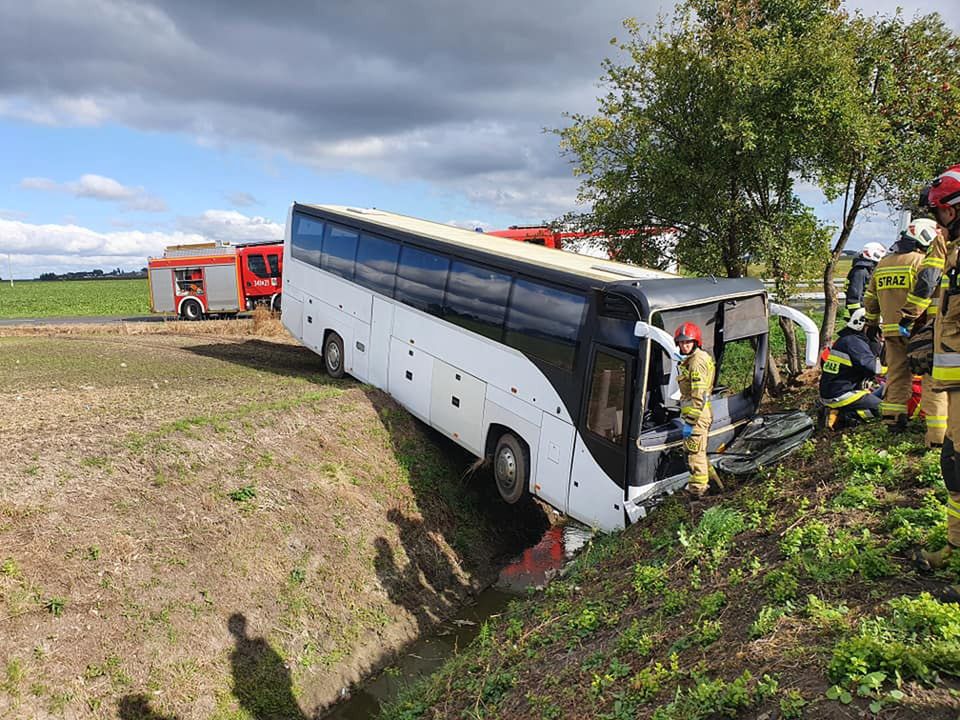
(909, 127)
(708, 126)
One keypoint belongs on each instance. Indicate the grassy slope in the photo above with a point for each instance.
(155, 484)
(791, 596)
(74, 298)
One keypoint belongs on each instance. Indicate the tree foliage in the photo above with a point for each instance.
(709, 125)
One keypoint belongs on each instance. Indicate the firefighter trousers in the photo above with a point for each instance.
(934, 406)
(950, 466)
(696, 448)
(899, 386)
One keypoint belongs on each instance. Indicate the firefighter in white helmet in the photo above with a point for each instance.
(859, 276)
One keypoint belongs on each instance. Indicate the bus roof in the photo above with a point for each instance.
(583, 265)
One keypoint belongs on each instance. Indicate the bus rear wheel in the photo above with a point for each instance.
(333, 355)
(191, 310)
(511, 468)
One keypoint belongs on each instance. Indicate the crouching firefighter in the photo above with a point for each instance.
(853, 362)
(942, 198)
(695, 374)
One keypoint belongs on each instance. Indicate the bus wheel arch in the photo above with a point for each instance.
(191, 309)
(510, 458)
(275, 302)
(333, 354)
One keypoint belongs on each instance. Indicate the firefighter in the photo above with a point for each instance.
(859, 276)
(695, 373)
(942, 197)
(900, 293)
(853, 362)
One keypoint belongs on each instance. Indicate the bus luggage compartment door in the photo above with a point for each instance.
(411, 375)
(456, 405)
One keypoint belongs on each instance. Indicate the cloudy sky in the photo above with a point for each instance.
(126, 126)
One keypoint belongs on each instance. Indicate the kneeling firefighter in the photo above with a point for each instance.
(695, 375)
(942, 198)
(853, 362)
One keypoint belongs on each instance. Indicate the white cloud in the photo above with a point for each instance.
(59, 248)
(12, 214)
(231, 226)
(241, 199)
(98, 187)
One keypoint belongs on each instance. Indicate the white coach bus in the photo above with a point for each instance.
(556, 367)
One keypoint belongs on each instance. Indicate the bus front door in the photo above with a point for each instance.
(600, 458)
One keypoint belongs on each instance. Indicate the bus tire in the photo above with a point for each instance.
(191, 310)
(511, 468)
(333, 355)
(275, 303)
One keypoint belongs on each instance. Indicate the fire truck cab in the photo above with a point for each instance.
(195, 281)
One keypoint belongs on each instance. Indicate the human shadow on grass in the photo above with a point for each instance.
(262, 683)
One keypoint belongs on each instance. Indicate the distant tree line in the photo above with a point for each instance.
(98, 274)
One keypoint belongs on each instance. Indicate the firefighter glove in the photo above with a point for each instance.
(687, 430)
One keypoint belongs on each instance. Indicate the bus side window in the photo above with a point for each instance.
(377, 263)
(476, 299)
(339, 251)
(608, 392)
(545, 322)
(421, 279)
(307, 239)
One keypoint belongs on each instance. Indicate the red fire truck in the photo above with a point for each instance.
(195, 281)
(534, 234)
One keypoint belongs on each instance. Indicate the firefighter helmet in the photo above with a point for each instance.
(686, 332)
(873, 251)
(944, 191)
(922, 231)
(858, 320)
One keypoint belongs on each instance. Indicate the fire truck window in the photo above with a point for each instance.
(257, 266)
(307, 239)
(339, 251)
(608, 395)
(421, 279)
(377, 263)
(274, 261)
(477, 299)
(545, 322)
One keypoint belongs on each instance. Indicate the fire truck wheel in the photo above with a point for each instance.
(191, 310)
(333, 355)
(510, 468)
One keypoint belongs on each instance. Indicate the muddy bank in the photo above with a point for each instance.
(203, 525)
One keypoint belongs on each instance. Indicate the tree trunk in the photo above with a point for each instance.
(774, 381)
(860, 188)
(793, 351)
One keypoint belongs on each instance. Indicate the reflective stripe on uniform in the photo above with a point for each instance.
(920, 302)
(934, 262)
(847, 398)
(887, 408)
(936, 421)
(891, 328)
(946, 366)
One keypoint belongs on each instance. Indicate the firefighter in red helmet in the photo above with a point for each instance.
(695, 374)
(942, 198)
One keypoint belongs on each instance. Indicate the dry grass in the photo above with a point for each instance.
(158, 478)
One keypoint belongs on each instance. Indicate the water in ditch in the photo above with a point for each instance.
(533, 568)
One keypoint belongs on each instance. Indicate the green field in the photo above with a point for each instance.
(74, 298)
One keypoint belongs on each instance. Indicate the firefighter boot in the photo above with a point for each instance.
(714, 480)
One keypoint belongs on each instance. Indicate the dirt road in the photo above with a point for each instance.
(203, 526)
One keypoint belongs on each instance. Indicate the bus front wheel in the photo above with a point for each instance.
(333, 355)
(511, 467)
(191, 310)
